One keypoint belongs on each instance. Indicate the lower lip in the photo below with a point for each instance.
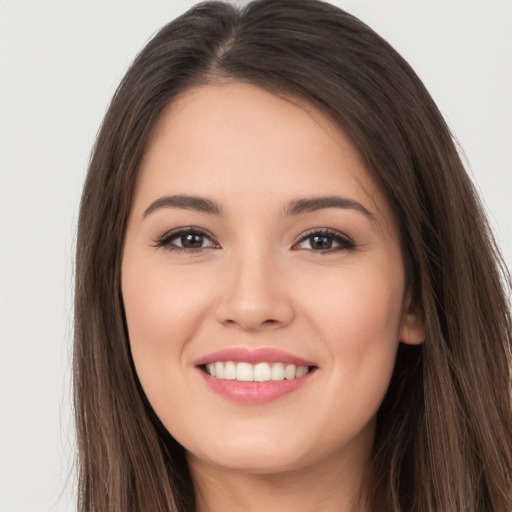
(254, 392)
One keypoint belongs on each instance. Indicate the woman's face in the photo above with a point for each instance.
(259, 249)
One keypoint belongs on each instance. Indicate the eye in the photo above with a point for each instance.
(325, 241)
(187, 239)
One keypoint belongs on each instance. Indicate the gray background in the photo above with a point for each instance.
(60, 62)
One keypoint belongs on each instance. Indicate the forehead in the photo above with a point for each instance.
(234, 116)
(236, 139)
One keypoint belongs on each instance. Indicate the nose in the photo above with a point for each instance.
(254, 296)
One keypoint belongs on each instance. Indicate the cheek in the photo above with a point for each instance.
(358, 317)
(360, 299)
(162, 314)
(159, 304)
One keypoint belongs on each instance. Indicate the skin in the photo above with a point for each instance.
(259, 281)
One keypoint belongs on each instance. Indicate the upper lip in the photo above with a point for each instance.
(252, 356)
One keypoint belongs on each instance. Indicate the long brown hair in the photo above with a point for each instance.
(444, 430)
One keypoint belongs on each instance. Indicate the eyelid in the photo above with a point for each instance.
(345, 242)
(164, 241)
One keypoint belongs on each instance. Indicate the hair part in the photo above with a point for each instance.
(444, 428)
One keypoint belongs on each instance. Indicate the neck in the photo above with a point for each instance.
(329, 487)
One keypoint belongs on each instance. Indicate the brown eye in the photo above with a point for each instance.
(192, 240)
(186, 240)
(320, 242)
(326, 241)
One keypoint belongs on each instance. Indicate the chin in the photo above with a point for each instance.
(251, 460)
(271, 455)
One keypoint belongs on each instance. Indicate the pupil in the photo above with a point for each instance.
(192, 241)
(321, 242)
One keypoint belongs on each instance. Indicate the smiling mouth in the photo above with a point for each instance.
(259, 372)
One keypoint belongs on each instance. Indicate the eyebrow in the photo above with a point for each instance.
(184, 202)
(295, 207)
(314, 204)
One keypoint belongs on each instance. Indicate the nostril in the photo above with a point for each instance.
(271, 322)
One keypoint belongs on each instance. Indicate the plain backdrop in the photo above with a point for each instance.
(60, 62)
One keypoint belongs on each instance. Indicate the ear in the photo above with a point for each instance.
(412, 327)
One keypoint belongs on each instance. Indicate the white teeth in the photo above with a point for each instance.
(301, 371)
(261, 372)
(290, 371)
(244, 372)
(230, 370)
(277, 371)
(219, 370)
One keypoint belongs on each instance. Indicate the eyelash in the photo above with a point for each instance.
(166, 241)
(345, 242)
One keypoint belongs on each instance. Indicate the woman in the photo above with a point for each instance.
(287, 294)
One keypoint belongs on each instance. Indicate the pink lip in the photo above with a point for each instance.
(253, 392)
(260, 355)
